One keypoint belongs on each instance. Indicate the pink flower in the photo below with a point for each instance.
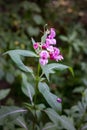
(59, 100)
(47, 49)
(43, 61)
(44, 46)
(50, 41)
(60, 57)
(52, 33)
(55, 55)
(35, 45)
(50, 48)
(52, 56)
(44, 54)
(56, 51)
(53, 41)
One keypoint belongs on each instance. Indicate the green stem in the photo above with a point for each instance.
(38, 70)
(37, 81)
(36, 91)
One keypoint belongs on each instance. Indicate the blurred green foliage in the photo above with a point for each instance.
(19, 21)
(22, 19)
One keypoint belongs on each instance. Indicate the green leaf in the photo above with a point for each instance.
(57, 66)
(33, 41)
(84, 127)
(40, 106)
(49, 68)
(2, 73)
(54, 117)
(27, 88)
(26, 53)
(50, 126)
(50, 98)
(73, 36)
(38, 19)
(71, 70)
(78, 89)
(47, 71)
(84, 96)
(64, 38)
(43, 38)
(10, 111)
(4, 93)
(21, 122)
(31, 6)
(33, 31)
(15, 56)
(66, 123)
(10, 78)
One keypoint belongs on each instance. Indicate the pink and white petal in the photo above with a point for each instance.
(35, 46)
(43, 61)
(44, 54)
(53, 41)
(52, 33)
(50, 49)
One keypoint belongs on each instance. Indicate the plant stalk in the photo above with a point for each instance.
(36, 91)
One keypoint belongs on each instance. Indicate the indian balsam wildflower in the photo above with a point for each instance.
(47, 50)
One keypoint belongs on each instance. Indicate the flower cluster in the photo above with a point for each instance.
(47, 50)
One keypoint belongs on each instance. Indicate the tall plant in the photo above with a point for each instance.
(47, 55)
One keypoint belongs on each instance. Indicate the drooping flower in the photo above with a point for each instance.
(44, 54)
(60, 57)
(52, 33)
(53, 41)
(54, 54)
(36, 45)
(47, 50)
(50, 48)
(50, 41)
(56, 51)
(45, 45)
(43, 61)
